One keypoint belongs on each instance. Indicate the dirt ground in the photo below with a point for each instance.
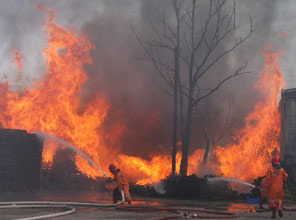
(243, 210)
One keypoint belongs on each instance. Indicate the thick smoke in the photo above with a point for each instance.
(139, 120)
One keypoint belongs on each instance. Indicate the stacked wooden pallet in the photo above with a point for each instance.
(20, 160)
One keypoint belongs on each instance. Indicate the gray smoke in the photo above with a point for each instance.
(141, 110)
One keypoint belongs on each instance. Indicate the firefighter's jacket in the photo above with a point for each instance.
(274, 178)
(264, 188)
(122, 184)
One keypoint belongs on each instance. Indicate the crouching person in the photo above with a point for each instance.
(275, 177)
(122, 184)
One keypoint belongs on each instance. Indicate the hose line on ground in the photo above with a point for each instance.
(178, 212)
(50, 204)
(69, 209)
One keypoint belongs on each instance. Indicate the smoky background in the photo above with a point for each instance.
(139, 120)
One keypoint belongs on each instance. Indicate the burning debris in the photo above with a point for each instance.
(191, 187)
(64, 175)
(53, 106)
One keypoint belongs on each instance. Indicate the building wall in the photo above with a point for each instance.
(288, 130)
(20, 160)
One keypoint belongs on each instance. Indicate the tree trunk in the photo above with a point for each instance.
(186, 141)
(206, 154)
(176, 84)
(184, 161)
(175, 126)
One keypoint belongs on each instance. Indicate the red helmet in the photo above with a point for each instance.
(112, 167)
(275, 156)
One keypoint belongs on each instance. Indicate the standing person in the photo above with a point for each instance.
(122, 184)
(275, 176)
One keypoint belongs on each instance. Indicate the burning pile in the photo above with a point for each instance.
(53, 106)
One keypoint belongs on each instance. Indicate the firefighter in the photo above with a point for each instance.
(275, 176)
(122, 184)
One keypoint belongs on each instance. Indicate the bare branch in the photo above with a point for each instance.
(214, 44)
(162, 68)
(237, 43)
(167, 28)
(238, 72)
(159, 38)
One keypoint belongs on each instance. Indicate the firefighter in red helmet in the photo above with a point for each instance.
(122, 184)
(275, 176)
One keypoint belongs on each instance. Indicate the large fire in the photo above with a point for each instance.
(250, 157)
(53, 106)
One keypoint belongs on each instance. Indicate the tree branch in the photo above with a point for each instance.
(238, 72)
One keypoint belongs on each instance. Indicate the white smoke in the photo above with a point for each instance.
(284, 24)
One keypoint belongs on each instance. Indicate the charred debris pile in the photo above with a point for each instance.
(193, 187)
(189, 187)
(65, 175)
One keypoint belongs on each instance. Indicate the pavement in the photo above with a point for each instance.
(243, 210)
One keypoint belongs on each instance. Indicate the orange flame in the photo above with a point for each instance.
(250, 158)
(53, 106)
(158, 167)
(18, 60)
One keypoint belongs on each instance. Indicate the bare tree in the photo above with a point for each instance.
(185, 50)
(214, 137)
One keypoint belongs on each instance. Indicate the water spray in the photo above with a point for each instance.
(80, 152)
(76, 149)
(65, 205)
(180, 212)
(230, 180)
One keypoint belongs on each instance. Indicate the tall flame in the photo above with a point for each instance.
(250, 157)
(53, 106)
(18, 60)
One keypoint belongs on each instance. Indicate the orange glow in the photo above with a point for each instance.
(241, 208)
(48, 152)
(18, 60)
(158, 167)
(53, 106)
(250, 158)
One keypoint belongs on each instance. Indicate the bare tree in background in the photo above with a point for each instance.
(185, 48)
(214, 137)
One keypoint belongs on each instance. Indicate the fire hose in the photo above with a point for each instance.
(179, 212)
(50, 204)
(65, 205)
